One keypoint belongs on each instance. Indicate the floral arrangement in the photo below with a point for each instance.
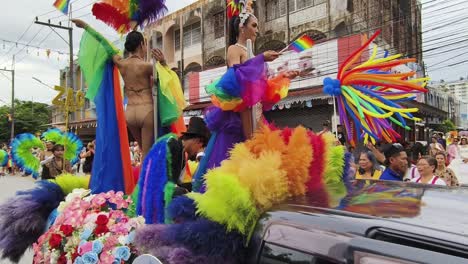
(90, 229)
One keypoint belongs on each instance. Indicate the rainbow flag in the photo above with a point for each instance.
(302, 43)
(62, 5)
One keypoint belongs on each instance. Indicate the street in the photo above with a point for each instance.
(8, 187)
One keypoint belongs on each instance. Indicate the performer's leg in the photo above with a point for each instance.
(147, 133)
(132, 122)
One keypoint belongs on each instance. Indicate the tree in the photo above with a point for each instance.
(446, 126)
(30, 117)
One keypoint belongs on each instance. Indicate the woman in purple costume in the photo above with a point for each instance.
(245, 81)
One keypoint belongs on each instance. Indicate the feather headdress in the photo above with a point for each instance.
(119, 14)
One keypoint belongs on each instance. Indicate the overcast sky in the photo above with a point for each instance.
(445, 22)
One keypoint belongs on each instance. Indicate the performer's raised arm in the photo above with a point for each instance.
(111, 50)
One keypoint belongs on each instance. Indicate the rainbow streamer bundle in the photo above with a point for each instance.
(371, 95)
(22, 154)
(3, 158)
(120, 13)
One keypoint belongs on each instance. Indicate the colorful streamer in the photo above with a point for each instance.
(370, 95)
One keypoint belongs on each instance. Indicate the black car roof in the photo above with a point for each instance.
(382, 203)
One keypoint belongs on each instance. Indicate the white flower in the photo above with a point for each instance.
(123, 240)
(140, 221)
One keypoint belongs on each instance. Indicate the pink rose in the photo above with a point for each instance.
(109, 194)
(85, 248)
(99, 200)
(106, 258)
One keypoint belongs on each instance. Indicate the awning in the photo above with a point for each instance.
(85, 123)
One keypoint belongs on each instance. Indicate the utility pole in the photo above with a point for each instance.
(70, 45)
(12, 113)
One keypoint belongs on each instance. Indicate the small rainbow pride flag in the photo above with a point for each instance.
(302, 43)
(62, 5)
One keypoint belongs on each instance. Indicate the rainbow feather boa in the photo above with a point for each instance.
(260, 173)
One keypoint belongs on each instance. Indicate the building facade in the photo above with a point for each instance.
(457, 92)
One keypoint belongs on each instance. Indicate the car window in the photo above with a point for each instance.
(275, 254)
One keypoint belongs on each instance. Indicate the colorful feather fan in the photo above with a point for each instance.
(370, 94)
(22, 155)
(52, 135)
(119, 14)
(71, 142)
(3, 158)
(73, 146)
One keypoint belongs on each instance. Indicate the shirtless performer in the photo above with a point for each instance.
(137, 75)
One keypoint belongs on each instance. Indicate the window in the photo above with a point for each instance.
(159, 41)
(218, 24)
(301, 4)
(192, 34)
(273, 254)
(277, 8)
(177, 39)
(272, 10)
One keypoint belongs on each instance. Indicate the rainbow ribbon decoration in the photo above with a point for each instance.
(111, 165)
(62, 6)
(371, 95)
(120, 13)
(302, 43)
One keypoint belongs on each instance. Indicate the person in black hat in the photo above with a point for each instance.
(195, 139)
(396, 161)
(194, 142)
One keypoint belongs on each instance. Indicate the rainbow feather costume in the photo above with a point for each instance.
(370, 95)
(120, 13)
